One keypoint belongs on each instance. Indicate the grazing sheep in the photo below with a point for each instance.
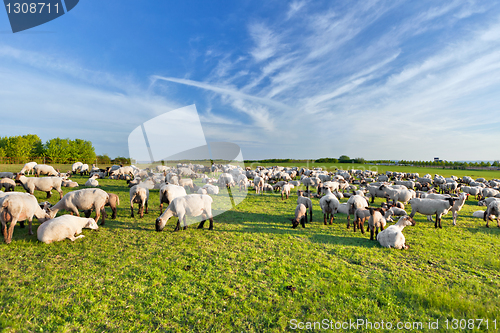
(75, 167)
(472, 190)
(392, 237)
(85, 199)
(28, 167)
(488, 193)
(46, 184)
(43, 169)
(226, 179)
(486, 201)
(300, 216)
(7, 174)
(140, 195)
(169, 192)
(329, 205)
(16, 207)
(84, 169)
(62, 227)
(8, 184)
(492, 210)
(187, 183)
(306, 202)
(259, 185)
(431, 207)
(193, 205)
(376, 221)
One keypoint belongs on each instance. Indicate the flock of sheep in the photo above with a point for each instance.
(427, 195)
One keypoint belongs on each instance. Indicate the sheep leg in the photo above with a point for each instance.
(371, 233)
(73, 238)
(324, 219)
(355, 224)
(49, 194)
(202, 223)
(30, 231)
(185, 224)
(177, 227)
(103, 212)
(113, 209)
(146, 208)
(361, 226)
(8, 239)
(303, 221)
(87, 213)
(4, 230)
(161, 208)
(332, 217)
(211, 226)
(131, 209)
(141, 210)
(60, 194)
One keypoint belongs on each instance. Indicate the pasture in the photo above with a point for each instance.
(252, 273)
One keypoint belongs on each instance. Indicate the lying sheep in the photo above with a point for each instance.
(193, 205)
(92, 182)
(431, 207)
(329, 205)
(8, 184)
(69, 183)
(7, 174)
(45, 184)
(376, 221)
(140, 195)
(478, 214)
(16, 207)
(169, 192)
(300, 216)
(492, 210)
(394, 211)
(85, 199)
(29, 167)
(211, 189)
(392, 237)
(62, 227)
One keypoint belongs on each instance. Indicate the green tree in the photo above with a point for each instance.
(103, 159)
(57, 149)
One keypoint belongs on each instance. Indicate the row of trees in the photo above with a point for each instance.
(58, 150)
(341, 159)
(454, 164)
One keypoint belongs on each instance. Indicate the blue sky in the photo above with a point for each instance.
(282, 79)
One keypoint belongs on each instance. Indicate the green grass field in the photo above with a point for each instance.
(126, 277)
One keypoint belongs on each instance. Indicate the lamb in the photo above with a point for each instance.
(169, 192)
(8, 184)
(306, 202)
(140, 195)
(285, 190)
(457, 206)
(394, 211)
(193, 205)
(355, 202)
(84, 169)
(392, 237)
(19, 207)
(112, 202)
(300, 216)
(361, 215)
(431, 207)
(43, 169)
(242, 182)
(376, 221)
(62, 227)
(492, 210)
(329, 205)
(259, 184)
(46, 184)
(85, 199)
(28, 167)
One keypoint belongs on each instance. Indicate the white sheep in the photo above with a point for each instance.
(62, 227)
(329, 205)
(306, 202)
(75, 167)
(28, 167)
(45, 184)
(43, 169)
(169, 192)
(376, 221)
(84, 199)
(285, 190)
(300, 216)
(140, 195)
(211, 189)
(92, 182)
(355, 202)
(392, 237)
(492, 210)
(478, 214)
(8, 184)
(394, 211)
(431, 207)
(69, 183)
(16, 207)
(457, 206)
(189, 205)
